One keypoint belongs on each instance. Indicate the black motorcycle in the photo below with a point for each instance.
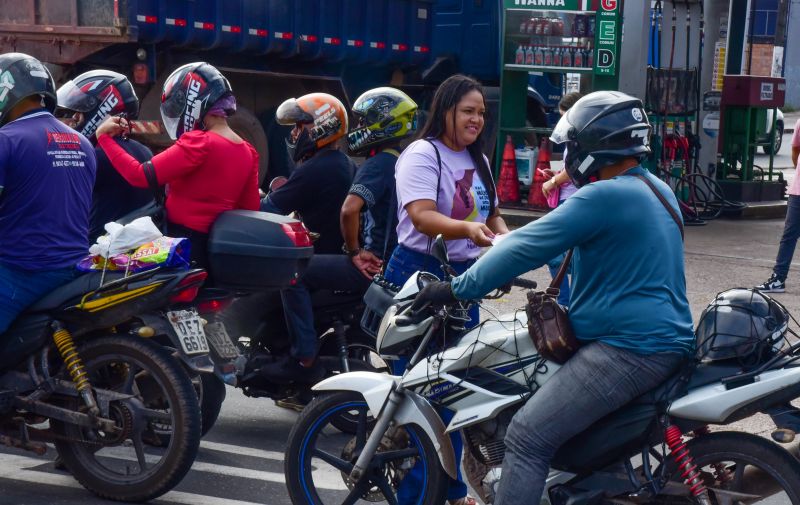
(83, 359)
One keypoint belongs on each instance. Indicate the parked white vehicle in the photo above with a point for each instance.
(779, 127)
(485, 378)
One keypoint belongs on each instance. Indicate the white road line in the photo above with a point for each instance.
(11, 467)
(242, 451)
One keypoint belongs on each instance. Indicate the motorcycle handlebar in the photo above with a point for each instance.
(524, 283)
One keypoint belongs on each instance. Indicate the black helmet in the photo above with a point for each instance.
(98, 94)
(741, 323)
(22, 76)
(189, 92)
(601, 129)
(383, 115)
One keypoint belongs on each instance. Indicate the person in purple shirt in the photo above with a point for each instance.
(47, 172)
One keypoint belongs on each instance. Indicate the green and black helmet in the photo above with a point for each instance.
(382, 115)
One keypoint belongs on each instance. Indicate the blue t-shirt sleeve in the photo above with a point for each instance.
(579, 219)
(372, 180)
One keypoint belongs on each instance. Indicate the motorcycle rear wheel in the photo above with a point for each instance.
(162, 394)
(333, 455)
(736, 462)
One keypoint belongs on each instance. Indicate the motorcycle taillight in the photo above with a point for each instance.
(187, 289)
(210, 306)
(298, 233)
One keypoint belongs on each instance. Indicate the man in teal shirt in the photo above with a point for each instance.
(628, 305)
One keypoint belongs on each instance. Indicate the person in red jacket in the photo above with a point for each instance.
(209, 170)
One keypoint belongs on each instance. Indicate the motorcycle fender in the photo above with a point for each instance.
(201, 363)
(375, 388)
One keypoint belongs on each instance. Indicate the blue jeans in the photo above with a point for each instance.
(596, 381)
(791, 232)
(402, 265)
(21, 288)
(324, 271)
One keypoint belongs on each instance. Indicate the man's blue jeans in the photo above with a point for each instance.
(791, 232)
(21, 288)
(596, 381)
(324, 271)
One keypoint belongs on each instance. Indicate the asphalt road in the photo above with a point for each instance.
(241, 459)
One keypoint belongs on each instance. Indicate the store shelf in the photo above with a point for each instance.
(526, 129)
(534, 68)
(521, 36)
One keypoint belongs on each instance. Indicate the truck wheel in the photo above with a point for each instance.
(247, 126)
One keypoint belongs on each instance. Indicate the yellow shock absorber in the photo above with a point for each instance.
(72, 360)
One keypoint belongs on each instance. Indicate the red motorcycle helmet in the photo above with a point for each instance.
(97, 95)
(189, 93)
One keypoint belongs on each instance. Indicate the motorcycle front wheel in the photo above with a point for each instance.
(320, 458)
(122, 463)
(740, 467)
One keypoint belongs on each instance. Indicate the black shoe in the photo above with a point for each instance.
(287, 369)
(773, 285)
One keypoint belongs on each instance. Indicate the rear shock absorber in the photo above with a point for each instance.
(686, 466)
(66, 347)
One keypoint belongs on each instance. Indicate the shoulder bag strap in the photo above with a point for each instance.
(663, 201)
(556, 282)
(152, 182)
(438, 183)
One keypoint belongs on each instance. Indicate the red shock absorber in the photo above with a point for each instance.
(686, 466)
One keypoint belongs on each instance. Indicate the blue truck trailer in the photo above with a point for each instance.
(270, 50)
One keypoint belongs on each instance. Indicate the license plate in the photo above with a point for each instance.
(221, 341)
(189, 327)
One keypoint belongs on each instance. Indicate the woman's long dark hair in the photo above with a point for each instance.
(447, 96)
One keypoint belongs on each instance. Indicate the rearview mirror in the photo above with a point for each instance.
(439, 250)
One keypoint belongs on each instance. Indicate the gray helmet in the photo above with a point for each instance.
(742, 324)
(600, 129)
(22, 76)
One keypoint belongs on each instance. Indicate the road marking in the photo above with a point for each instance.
(242, 451)
(11, 467)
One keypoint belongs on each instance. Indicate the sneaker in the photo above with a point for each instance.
(774, 285)
(287, 369)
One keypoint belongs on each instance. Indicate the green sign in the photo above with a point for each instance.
(555, 5)
(606, 42)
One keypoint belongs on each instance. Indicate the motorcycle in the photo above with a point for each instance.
(79, 370)
(637, 454)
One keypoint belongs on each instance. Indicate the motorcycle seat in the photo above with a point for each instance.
(703, 374)
(83, 284)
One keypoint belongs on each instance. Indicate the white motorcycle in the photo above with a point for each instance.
(637, 454)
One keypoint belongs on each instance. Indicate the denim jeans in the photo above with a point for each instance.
(791, 232)
(402, 265)
(324, 271)
(21, 288)
(598, 380)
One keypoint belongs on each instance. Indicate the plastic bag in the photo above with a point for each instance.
(121, 239)
(163, 251)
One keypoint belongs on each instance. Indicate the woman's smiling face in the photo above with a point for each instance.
(468, 123)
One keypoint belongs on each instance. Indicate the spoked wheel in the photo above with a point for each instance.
(119, 463)
(362, 358)
(740, 468)
(322, 458)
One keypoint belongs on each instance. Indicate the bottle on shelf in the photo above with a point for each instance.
(523, 26)
(519, 56)
(538, 57)
(589, 56)
(531, 28)
(590, 26)
(538, 26)
(556, 56)
(547, 60)
(577, 59)
(529, 55)
(566, 57)
(547, 27)
(558, 27)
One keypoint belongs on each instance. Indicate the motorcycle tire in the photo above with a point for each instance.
(345, 422)
(731, 453)
(302, 448)
(159, 379)
(210, 391)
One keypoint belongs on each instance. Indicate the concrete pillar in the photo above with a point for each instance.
(633, 54)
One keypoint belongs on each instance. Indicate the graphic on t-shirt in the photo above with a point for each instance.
(64, 149)
(470, 199)
(464, 199)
